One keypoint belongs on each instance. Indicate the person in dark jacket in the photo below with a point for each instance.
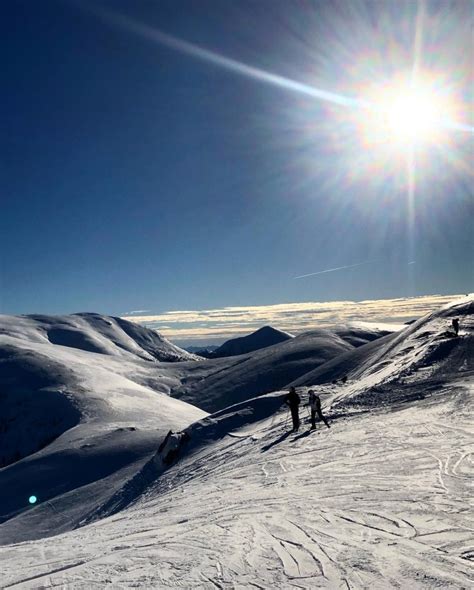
(293, 400)
(315, 405)
(455, 324)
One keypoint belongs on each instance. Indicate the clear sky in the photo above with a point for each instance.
(141, 173)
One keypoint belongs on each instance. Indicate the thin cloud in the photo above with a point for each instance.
(228, 322)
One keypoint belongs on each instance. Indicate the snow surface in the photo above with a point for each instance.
(74, 423)
(382, 499)
(95, 333)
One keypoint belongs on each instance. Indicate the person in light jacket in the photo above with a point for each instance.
(315, 405)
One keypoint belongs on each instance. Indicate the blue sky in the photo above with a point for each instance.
(136, 176)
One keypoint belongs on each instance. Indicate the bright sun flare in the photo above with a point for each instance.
(405, 114)
(411, 116)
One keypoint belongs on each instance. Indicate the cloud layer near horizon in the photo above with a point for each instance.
(210, 325)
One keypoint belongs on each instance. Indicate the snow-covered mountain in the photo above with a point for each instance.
(76, 413)
(379, 500)
(93, 332)
(261, 338)
(403, 358)
(59, 374)
(216, 384)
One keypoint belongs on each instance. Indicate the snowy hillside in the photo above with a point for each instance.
(83, 407)
(74, 422)
(266, 336)
(77, 360)
(215, 384)
(427, 347)
(95, 333)
(379, 500)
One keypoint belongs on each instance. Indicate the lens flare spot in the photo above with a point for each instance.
(32, 499)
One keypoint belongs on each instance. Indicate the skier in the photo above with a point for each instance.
(293, 401)
(455, 324)
(315, 404)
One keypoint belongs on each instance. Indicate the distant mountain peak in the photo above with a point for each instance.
(261, 338)
(269, 330)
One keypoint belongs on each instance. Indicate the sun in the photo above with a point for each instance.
(405, 113)
(411, 116)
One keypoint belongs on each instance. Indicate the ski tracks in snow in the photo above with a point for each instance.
(377, 501)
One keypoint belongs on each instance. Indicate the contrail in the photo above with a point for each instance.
(321, 272)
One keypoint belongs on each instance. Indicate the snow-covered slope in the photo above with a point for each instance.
(379, 500)
(74, 423)
(223, 382)
(95, 333)
(344, 364)
(266, 336)
(427, 347)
